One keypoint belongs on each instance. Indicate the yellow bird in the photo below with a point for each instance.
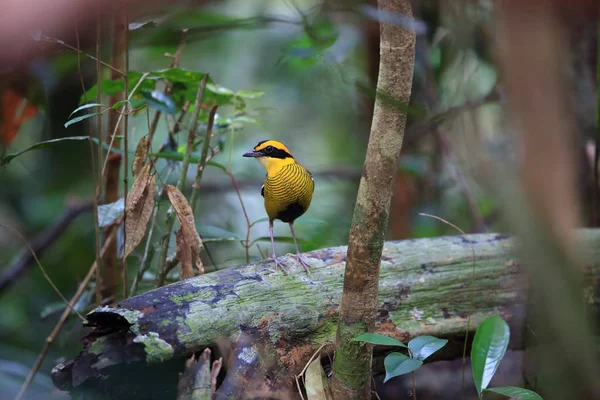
(288, 189)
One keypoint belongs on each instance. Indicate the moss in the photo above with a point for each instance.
(131, 316)
(180, 299)
(164, 322)
(326, 331)
(352, 362)
(157, 350)
(97, 347)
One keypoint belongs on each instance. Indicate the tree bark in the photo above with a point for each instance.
(351, 377)
(276, 322)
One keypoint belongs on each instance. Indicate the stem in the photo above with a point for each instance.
(248, 223)
(596, 187)
(181, 181)
(124, 32)
(203, 156)
(145, 264)
(99, 269)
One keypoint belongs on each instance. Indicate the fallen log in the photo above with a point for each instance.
(276, 322)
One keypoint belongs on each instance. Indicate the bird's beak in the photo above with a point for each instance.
(253, 153)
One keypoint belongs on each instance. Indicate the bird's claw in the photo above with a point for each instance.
(303, 262)
(278, 264)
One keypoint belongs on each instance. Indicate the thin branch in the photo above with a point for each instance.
(182, 176)
(50, 339)
(203, 156)
(42, 242)
(125, 33)
(80, 52)
(174, 63)
(248, 223)
(145, 263)
(100, 174)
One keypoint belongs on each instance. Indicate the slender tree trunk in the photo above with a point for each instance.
(111, 268)
(352, 365)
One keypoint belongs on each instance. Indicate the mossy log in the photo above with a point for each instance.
(275, 322)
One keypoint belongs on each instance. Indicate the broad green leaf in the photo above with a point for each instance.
(217, 165)
(250, 94)
(424, 346)
(159, 101)
(516, 392)
(180, 75)
(83, 107)
(398, 364)
(109, 213)
(219, 89)
(489, 345)
(40, 145)
(376, 338)
(80, 118)
(214, 232)
(176, 156)
(110, 86)
(278, 239)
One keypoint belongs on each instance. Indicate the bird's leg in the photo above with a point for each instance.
(277, 263)
(298, 256)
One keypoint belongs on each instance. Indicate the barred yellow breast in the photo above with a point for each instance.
(288, 188)
(288, 193)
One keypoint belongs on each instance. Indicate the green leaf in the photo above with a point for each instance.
(109, 213)
(219, 89)
(80, 118)
(516, 392)
(159, 101)
(40, 145)
(250, 94)
(217, 165)
(176, 156)
(83, 107)
(376, 338)
(424, 346)
(110, 86)
(399, 364)
(258, 221)
(214, 232)
(120, 103)
(142, 25)
(489, 345)
(279, 239)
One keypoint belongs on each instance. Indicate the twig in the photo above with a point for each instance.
(116, 127)
(80, 52)
(46, 276)
(174, 63)
(182, 176)
(99, 283)
(464, 355)
(203, 156)
(50, 339)
(125, 33)
(42, 242)
(596, 187)
(145, 263)
(248, 223)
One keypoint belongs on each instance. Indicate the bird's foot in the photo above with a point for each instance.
(303, 262)
(278, 264)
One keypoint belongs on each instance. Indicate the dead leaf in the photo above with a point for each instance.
(139, 187)
(138, 217)
(188, 226)
(14, 110)
(140, 155)
(317, 386)
(184, 255)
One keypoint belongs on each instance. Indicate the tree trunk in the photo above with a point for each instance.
(276, 322)
(351, 377)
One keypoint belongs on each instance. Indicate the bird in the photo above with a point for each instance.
(287, 189)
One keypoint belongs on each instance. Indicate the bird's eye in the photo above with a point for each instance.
(269, 149)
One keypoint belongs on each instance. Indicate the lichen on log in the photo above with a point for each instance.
(426, 288)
